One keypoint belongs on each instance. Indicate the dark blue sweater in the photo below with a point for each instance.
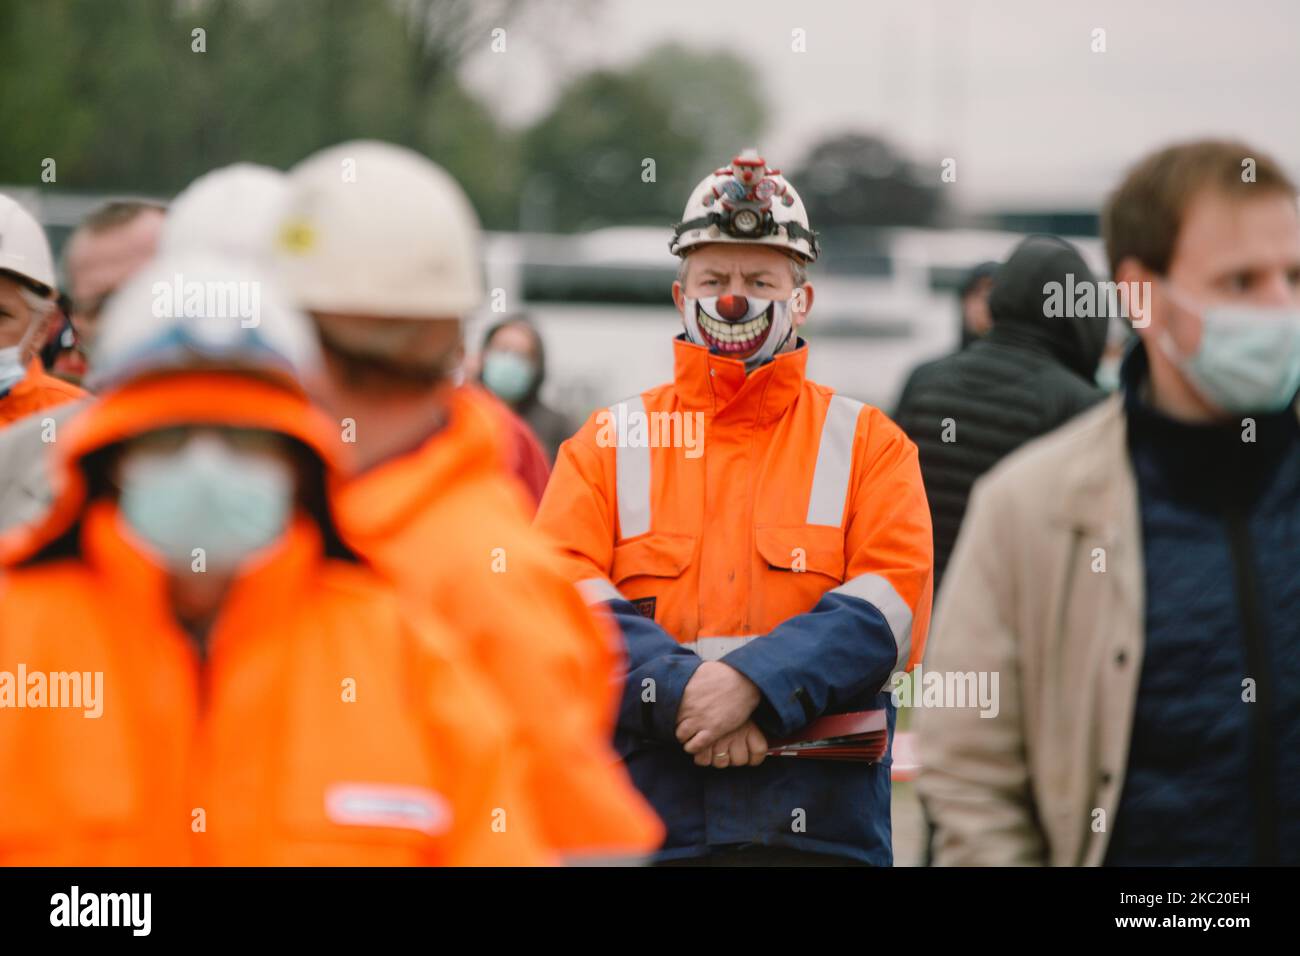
(1212, 779)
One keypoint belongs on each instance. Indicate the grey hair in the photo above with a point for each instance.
(798, 270)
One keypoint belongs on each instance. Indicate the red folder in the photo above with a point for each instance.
(862, 736)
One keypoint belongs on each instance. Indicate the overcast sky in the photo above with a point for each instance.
(1009, 88)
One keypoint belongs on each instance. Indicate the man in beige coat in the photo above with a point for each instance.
(1133, 578)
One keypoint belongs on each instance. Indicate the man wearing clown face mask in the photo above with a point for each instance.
(778, 571)
(1160, 698)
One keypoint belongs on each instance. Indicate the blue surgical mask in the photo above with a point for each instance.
(1249, 357)
(228, 502)
(508, 375)
(11, 368)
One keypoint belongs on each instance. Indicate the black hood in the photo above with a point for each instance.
(984, 270)
(1020, 306)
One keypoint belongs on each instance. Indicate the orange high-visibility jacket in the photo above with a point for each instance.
(37, 390)
(450, 526)
(524, 458)
(327, 724)
(765, 521)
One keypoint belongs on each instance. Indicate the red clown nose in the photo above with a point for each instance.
(732, 307)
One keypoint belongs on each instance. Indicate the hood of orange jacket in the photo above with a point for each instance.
(253, 754)
(260, 733)
(161, 401)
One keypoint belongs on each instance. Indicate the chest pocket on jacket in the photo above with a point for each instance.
(649, 571)
(802, 563)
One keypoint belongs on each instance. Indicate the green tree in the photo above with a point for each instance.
(119, 97)
(854, 179)
(585, 163)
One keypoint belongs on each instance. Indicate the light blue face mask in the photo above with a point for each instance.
(1107, 377)
(11, 368)
(1249, 358)
(507, 375)
(208, 495)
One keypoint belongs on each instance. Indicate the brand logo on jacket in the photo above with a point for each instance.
(646, 606)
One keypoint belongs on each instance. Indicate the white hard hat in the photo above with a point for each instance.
(24, 250)
(233, 211)
(748, 203)
(199, 310)
(377, 230)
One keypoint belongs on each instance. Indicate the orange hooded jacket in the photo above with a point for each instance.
(448, 524)
(327, 725)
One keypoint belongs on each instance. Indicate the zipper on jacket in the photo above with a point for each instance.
(1262, 772)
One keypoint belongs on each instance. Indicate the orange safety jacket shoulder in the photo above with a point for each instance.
(451, 528)
(37, 390)
(325, 725)
(764, 521)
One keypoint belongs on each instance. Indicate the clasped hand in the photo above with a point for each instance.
(713, 721)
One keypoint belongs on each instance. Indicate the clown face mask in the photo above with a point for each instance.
(739, 327)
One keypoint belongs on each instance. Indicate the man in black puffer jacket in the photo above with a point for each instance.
(1031, 373)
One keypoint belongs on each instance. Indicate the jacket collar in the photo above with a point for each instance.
(717, 384)
(378, 503)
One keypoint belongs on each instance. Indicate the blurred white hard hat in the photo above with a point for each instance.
(24, 250)
(232, 211)
(377, 230)
(194, 309)
(746, 202)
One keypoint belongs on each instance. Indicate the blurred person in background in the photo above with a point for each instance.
(973, 303)
(107, 248)
(769, 567)
(61, 354)
(1132, 576)
(523, 457)
(1029, 374)
(27, 303)
(194, 496)
(973, 319)
(512, 366)
(386, 262)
